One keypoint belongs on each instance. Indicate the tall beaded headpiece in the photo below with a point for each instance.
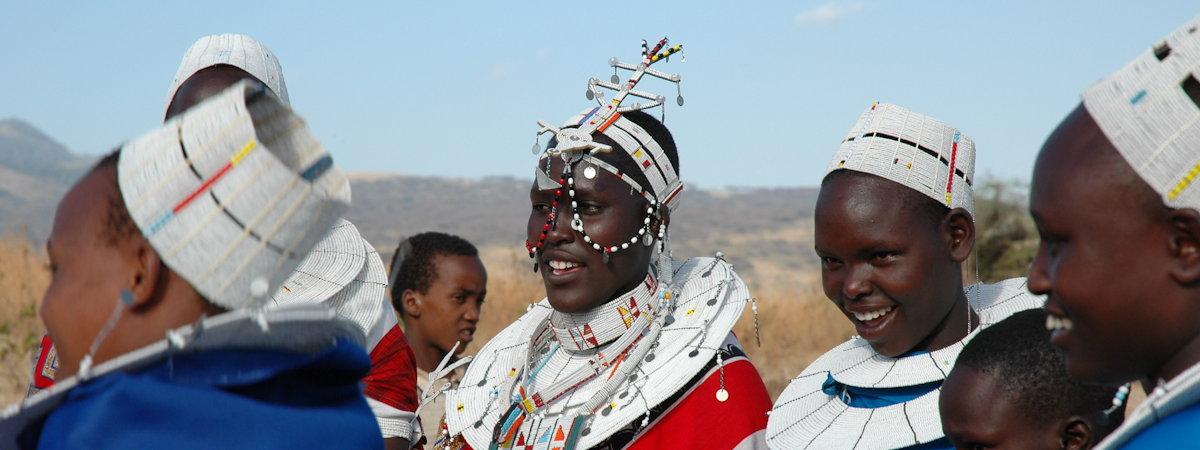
(917, 151)
(1150, 111)
(573, 143)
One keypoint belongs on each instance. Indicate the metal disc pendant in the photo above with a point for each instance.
(589, 172)
(722, 395)
(589, 95)
(615, 79)
(647, 240)
(537, 148)
(679, 100)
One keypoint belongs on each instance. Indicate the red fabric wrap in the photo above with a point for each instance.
(393, 376)
(698, 420)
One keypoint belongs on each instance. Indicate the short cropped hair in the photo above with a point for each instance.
(1017, 353)
(412, 263)
(118, 225)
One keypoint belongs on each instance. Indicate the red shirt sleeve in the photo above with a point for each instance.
(393, 376)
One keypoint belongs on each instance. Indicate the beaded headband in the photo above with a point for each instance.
(917, 151)
(1150, 111)
(574, 143)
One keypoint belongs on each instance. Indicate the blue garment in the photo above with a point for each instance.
(860, 397)
(221, 399)
(1179, 430)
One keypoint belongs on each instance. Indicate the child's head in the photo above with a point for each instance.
(438, 288)
(893, 225)
(1009, 389)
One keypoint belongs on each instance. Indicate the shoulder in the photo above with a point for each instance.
(1172, 431)
(996, 301)
(122, 401)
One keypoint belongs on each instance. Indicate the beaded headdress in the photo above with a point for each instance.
(1150, 111)
(573, 143)
(238, 50)
(917, 151)
(232, 194)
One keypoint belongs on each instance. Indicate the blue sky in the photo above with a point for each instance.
(454, 88)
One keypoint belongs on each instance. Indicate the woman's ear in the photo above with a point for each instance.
(147, 274)
(1076, 434)
(411, 301)
(1185, 245)
(959, 228)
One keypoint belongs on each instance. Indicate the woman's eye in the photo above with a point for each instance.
(830, 262)
(885, 256)
(541, 207)
(590, 208)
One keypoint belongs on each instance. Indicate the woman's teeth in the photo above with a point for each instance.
(873, 314)
(563, 265)
(1054, 323)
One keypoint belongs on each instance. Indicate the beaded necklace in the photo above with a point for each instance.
(645, 325)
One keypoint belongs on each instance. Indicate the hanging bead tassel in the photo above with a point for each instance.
(722, 394)
(754, 307)
(666, 272)
(1118, 400)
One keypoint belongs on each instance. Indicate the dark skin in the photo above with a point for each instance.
(88, 271)
(1123, 267)
(203, 84)
(878, 251)
(448, 311)
(611, 215)
(1003, 423)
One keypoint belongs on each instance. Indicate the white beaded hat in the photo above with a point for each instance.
(344, 272)
(232, 194)
(238, 50)
(912, 149)
(1150, 111)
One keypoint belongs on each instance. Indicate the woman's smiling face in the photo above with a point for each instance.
(611, 214)
(890, 268)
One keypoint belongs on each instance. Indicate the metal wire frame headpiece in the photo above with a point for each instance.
(575, 143)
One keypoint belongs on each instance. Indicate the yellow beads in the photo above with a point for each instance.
(1184, 183)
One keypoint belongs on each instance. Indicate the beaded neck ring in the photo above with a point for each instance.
(574, 144)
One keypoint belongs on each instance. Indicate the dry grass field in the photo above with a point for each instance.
(796, 322)
(796, 325)
(23, 278)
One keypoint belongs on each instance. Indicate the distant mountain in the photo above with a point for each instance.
(755, 227)
(35, 171)
(767, 225)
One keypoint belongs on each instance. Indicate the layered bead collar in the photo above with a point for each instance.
(592, 329)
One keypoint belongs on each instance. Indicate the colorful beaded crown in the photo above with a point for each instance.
(574, 143)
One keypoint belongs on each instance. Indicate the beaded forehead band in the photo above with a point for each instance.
(574, 143)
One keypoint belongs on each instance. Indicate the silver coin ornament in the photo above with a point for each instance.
(589, 94)
(722, 395)
(615, 78)
(589, 172)
(679, 100)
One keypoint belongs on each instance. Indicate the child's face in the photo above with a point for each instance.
(977, 413)
(1104, 259)
(884, 263)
